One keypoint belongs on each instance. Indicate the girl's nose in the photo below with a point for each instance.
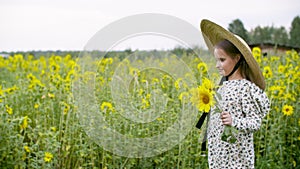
(217, 64)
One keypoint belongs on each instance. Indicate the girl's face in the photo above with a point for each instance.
(225, 63)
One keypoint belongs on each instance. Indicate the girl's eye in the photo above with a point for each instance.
(222, 59)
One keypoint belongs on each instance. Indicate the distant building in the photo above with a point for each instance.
(267, 47)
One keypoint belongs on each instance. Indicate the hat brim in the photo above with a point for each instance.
(213, 33)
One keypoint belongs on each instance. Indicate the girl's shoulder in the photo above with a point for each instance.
(253, 90)
(242, 84)
(252, 87)
(256, 95)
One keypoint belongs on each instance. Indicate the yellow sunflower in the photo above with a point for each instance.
(106, 106)
(24, 124)
(48, 157)
(202, 98)
(27, 149)
(208, 84)
(9, 110)
(202, 67)
(281, 69)
(287, 110)
(256, 52)
(267, 72)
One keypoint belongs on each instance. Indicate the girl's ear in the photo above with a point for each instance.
(238, 57)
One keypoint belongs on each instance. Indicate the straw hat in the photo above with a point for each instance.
(214, 33)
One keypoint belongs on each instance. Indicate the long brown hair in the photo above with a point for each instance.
(233, 52)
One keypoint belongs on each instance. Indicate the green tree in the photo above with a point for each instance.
(237, 27)
(280, 36)
(295, 32)
(269, 34)
(261, 35)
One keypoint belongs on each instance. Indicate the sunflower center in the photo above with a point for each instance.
(205, 99)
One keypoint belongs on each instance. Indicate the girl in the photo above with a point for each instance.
(244, 101)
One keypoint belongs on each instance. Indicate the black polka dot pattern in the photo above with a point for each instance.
(247, 104)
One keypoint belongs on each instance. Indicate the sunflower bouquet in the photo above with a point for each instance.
(204, 98)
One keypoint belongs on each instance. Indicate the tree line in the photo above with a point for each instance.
(269, 34)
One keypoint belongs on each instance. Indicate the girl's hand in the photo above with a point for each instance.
(226, 118)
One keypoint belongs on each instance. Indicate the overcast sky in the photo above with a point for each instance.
(69, 24)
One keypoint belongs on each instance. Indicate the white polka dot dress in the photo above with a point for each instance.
(247, 104)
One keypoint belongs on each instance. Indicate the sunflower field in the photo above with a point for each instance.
(42, 124)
